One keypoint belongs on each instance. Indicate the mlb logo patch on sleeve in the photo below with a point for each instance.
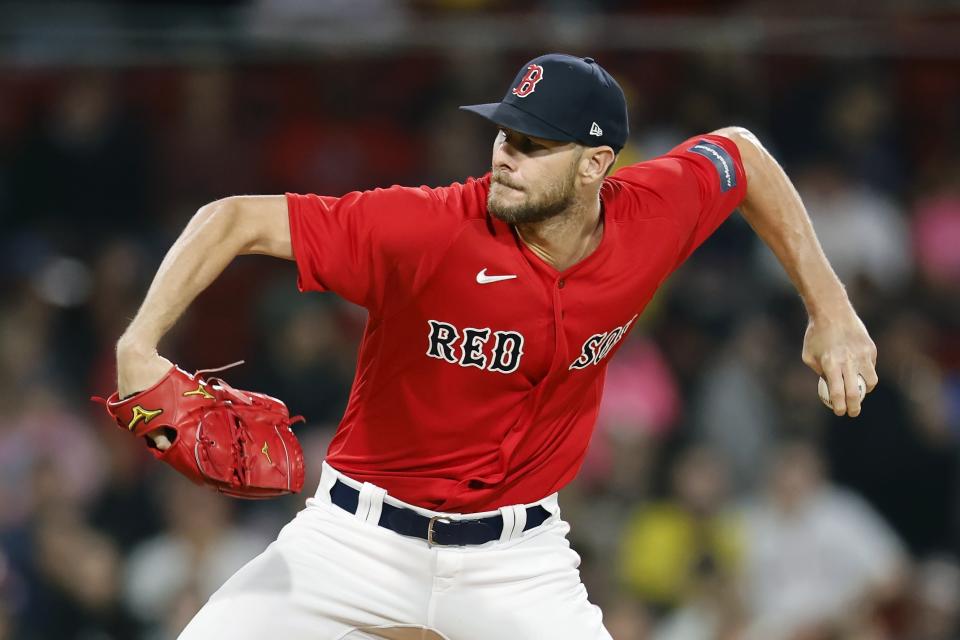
(721, 160)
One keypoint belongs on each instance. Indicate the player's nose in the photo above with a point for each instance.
(504, 155)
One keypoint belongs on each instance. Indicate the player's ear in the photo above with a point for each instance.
(595, 163)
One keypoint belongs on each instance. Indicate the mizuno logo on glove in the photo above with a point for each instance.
(146, 414)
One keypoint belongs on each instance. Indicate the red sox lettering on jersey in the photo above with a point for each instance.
(597, 346)
(481, 367)
(446, 342)
(468, 348)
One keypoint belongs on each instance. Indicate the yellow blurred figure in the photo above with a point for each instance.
(671, 548)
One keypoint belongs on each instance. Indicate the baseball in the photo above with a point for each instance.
(825, 393)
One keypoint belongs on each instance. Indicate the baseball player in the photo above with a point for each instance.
(494, 307)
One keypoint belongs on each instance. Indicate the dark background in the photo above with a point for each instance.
(719, 498)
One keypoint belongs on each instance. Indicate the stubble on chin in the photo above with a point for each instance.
(529, 210)
(498, 208)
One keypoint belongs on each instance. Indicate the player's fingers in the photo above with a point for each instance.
(838, 396)
(869, 373)
(811, 360)
(160, 439)
(851, 385)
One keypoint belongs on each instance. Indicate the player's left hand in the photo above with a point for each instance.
(838, 347)
(237, 442)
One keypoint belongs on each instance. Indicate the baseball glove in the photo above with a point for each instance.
(237, 442)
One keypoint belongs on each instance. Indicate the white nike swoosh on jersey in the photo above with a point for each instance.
(483, 278)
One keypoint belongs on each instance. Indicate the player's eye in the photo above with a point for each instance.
(530, 145)
(520, 142)
(524, 144)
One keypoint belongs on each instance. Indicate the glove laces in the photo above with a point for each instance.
(217, 369)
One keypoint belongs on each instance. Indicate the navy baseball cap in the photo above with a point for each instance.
(562, 97)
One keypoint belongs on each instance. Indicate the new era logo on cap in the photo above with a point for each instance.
(562, 97)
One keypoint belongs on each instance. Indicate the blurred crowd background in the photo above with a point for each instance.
(719, 500)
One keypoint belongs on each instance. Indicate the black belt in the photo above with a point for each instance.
(438, 530)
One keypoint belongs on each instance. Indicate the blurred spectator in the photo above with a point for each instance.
(936, 600)
(6, 596)
(686, 547)
(735, 411)
(125, 509)
(207, 155)
(641, 403)
(640, 394)
(451, 136)
(77, 594)
(626, 619)
(170, 576)
(910, 451)
(81, 169)
(862, 231)
(640, 407)
(306, 354)
(817, 558)
(25, 355)
(712, 612)
(85, 337)
(48, 457)
(6, 628)
(800, 413)
(861, 132)
(936, 231)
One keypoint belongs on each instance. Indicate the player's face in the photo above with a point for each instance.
(532, 179)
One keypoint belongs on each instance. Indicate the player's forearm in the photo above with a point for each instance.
(210, 241)
(773, 208)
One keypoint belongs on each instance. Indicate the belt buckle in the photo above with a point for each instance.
(430, 540)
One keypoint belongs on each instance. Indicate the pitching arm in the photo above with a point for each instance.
(836, 345)
(217, 233)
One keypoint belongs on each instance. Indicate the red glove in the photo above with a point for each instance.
(238, 442)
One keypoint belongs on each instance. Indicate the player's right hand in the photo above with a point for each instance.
(138, 369)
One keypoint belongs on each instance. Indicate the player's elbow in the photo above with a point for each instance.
(220, 218)
(223, 221)
(219, 209)
(752, 154)
(741, 136)
(256, 224)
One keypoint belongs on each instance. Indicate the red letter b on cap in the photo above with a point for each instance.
(529, 82)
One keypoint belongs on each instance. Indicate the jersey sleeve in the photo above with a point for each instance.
(357, 244)
(700, 182)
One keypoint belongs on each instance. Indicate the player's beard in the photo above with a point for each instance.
(555, 198)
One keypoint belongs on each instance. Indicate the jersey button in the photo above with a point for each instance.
(561, 283)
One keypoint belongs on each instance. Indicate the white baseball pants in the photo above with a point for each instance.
(333, 575)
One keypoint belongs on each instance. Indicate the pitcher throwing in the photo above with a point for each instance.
(494, 307)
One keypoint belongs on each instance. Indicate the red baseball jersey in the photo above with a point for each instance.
(481, 367)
